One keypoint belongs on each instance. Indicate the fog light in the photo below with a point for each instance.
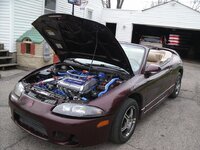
(102, 123)
(14, 97)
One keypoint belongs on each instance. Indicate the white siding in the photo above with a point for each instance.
(64, 7)
(25, 12)
(124, 21)
(5, 25)
(96, 6)
(172, 14)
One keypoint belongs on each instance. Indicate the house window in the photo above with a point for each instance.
(89, 14)
(50, 6)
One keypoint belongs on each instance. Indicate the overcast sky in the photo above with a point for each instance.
(142, 4)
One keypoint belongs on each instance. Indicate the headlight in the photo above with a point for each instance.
(78, 110)
(19, 88)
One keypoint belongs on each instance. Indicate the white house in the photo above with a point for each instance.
(16, 16)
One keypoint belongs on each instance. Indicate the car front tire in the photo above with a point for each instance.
(125, 121)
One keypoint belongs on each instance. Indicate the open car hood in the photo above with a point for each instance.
(74, 37)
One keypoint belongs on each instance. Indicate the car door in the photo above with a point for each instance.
(156, 87)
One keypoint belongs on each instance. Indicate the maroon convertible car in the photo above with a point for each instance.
(98, 90)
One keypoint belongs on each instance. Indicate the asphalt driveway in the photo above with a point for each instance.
(175, 125)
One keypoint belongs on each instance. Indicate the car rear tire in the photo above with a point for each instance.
(125, 121)
(177, 87)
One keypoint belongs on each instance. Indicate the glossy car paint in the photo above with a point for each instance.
(85, 130)
(147, 91)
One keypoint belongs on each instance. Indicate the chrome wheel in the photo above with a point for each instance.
(125, 121)
(178, 85)
(128, 122)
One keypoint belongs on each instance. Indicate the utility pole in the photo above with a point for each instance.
(72, 9)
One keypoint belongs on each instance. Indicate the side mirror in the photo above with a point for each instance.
(151, 69)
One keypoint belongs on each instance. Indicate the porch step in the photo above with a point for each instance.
(8, 65)
(5, 57)
(1, 51)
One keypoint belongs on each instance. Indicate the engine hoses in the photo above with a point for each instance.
(107, 86)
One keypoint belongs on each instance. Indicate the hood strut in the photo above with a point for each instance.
(95, 49)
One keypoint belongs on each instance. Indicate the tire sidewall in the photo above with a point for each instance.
(116, 135)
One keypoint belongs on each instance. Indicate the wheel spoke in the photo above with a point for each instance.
(131, 113)
(126, 116)
(124, 128)
(128, 122)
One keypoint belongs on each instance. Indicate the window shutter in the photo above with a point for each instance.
(55, 59)
(23, 48)
(32, 49)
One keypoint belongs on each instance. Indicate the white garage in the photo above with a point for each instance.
(172, 18)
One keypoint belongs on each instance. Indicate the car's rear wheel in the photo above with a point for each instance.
(125, 121)
(177, 87)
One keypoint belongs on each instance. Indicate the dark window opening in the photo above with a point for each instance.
(50, 6)
(28, 48)
(112, 27)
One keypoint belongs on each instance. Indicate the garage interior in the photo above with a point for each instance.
(189, 40)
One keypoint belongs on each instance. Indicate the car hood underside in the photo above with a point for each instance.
(74, 37)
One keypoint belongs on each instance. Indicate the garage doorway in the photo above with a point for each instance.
(111, 27)
(188, 40)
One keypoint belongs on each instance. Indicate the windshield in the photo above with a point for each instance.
(135, 55)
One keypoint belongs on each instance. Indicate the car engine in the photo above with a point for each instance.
(55, 85)
(81, 82)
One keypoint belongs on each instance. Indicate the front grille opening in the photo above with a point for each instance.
(62, 137)
(31, 125)
(73, 140)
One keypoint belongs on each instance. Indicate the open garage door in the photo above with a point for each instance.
(185, 42)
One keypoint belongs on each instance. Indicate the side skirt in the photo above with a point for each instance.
(163, 96)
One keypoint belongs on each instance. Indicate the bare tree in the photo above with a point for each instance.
(119, 4)
(107, 3)
(196, 4)
(158, 2)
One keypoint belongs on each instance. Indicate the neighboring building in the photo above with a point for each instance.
(16, 16)
(162, 20)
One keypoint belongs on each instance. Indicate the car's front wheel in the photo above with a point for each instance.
(125, 121)
(177, 87)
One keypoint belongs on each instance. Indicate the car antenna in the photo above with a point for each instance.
(95, 49)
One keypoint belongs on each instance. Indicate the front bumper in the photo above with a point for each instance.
(36, 118)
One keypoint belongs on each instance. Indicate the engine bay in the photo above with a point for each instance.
(64, 83)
